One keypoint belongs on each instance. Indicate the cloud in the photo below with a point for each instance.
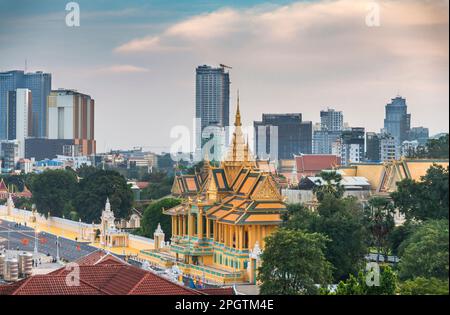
(299, 23)
(121, 69)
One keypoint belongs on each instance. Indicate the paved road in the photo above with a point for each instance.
(69, 250)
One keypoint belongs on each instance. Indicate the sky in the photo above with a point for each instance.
(137, 59)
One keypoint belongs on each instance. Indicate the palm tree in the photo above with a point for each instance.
(380, 217)
(331, 186)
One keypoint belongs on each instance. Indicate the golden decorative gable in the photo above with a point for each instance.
(266, 190)
(176, 189)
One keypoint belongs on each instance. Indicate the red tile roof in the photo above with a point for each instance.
(218, 291)
(310, 164)
(100, 274)
(142, 185)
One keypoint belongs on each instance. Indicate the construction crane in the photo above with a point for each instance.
(225, 66)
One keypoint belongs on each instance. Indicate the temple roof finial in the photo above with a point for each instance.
(237, 120)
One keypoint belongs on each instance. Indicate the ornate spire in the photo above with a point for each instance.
(237, 120)
(107, 205)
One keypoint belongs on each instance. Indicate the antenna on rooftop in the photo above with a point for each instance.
(26, 65)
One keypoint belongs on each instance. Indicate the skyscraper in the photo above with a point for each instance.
(212, 100)
(372, 147)
(350, 146)
(71, 116)
(19, 125)
(331, 120)
(397, 121)
(331, 126)
(9, 81)
(39, 84)
(293, 136)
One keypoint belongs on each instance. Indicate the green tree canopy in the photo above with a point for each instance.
(423, 286)
(331, 186)
(342, 221)
(95, 188)
(160, 185)
(425, 252)
(53, 192)
(427, 199)
(153, 215)
(379, 213)
(293, 262)
(360, 286)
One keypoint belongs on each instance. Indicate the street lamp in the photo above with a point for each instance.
(36, 234)
(57, 248)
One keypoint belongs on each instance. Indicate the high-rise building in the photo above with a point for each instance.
(421, 134)
(397, 121)
(372, 147)
(292, 136)
(9, 153)
(331, 126)
(389, 149)
(212, 101)
(19, 119)
(39, 83)
(331, 120)
(71, 116)
(350, 146)
(323, 141)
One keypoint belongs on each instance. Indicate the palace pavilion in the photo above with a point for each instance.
(218, 230)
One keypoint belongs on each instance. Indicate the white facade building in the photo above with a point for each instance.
(389, 150)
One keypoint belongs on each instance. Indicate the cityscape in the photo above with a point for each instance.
(243, 196)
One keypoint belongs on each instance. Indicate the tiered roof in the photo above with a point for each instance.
(237, 192)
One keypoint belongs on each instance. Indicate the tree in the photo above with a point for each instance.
(422, 286)
(342, 221)
(360, 286)
(427, 199)
(380, 222)
(293, 262)
(399, 234)
(160, 185)
(153, 215)
(53, 191)
(331, 186)
(95, 188)
(425, 252)
(85, 171)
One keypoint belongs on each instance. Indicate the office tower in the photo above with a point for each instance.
(389, 149)
(350, 146)
(39, 83)
(397, 121)
(212, 101)
(372, 147)
(331, 120)
(421, 134)
(71, 116)
(292, 135)
(331, 126)
(323, 141)
(9, 81)
(19, 117)
(9, 153)
(43, 148)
